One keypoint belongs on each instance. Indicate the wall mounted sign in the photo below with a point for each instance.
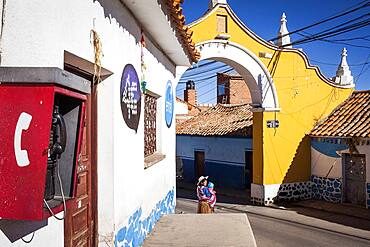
(130, 97)
(273, 123)
(169, 104)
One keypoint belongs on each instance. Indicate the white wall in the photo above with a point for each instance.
(36, 33)
(321, 164)
(181, 108)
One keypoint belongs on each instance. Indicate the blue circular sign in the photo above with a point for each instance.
(169, 104)
(130, 97)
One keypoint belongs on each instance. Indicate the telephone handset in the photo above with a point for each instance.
(58, 139)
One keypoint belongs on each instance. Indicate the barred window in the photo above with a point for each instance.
(150, 125)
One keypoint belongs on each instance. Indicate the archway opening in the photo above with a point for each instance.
(216, 101)
(214, 117)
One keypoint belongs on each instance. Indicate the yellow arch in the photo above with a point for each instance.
(281, 155)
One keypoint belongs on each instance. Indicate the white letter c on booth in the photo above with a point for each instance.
(23, 123)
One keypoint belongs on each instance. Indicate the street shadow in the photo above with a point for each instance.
(341, 219)
(17, 229)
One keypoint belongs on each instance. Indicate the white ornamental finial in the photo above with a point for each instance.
(213, 3)
(283, 35)
(343, 62)
(343, 75)
(283, 18)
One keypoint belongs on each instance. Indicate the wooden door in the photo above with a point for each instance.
(79, 224)
(199, 163)
(355, 179)
(248, 169)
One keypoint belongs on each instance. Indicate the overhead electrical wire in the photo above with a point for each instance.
(339, 30)
(200, 65)
(338, 42)
(355, 38)
(363, 4)
(203, 80)
(363, 70)
(335, 64)
(212, 74)
(344, 23)
(184, 78)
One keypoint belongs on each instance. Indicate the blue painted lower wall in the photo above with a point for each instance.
(188, 170)
(222, 174)
(135, 232)
(226, 175)
(225, 159)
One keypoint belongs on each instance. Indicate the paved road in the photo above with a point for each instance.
(300, 227)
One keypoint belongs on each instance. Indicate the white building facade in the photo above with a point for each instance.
(132, 194)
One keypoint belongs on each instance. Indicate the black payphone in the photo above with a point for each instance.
(62, 156)
(58, 138)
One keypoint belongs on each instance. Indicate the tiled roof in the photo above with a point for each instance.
(349, 119)
(185, 33)
(220, 120)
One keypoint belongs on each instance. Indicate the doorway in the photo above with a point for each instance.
(199, 163)
(80, 224)
(248, 168)
(355, 179)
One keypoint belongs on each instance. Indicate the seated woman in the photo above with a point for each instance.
(203, 196)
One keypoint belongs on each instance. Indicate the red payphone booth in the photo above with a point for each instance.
(41, 121)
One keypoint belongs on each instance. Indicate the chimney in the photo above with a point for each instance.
(190, 94)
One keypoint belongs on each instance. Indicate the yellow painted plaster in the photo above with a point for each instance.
(281, 155)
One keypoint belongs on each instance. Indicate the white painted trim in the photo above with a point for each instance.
(248, 65)
(264, 191)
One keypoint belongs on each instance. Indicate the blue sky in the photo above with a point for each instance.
(263, 18)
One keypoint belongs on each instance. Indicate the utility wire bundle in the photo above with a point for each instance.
(344, 27)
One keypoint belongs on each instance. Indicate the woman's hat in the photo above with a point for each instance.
(201, 178)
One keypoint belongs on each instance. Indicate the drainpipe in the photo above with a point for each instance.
(2, 29)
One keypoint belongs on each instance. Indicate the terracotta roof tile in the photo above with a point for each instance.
(349, 119)
(185, 33)
(220, 120)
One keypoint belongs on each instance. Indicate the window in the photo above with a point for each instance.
(221, 23)
(150, 125)
(221, 89)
